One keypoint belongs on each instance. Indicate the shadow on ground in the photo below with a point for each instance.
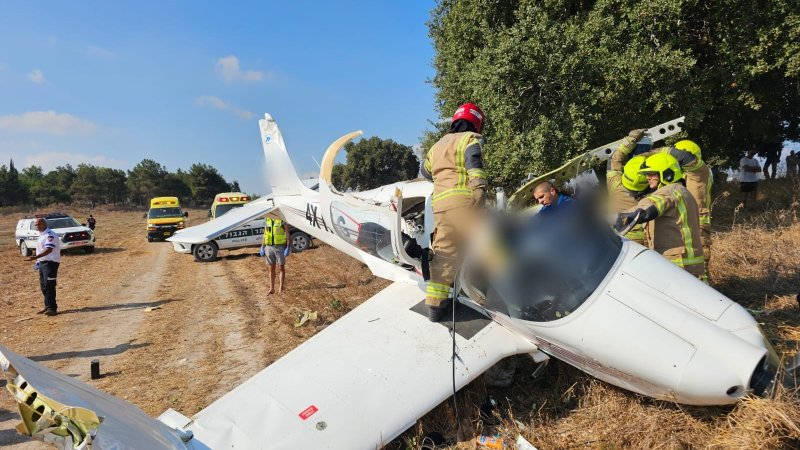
(116, 350)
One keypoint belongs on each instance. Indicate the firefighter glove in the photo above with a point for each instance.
(479, 196)
(637, 134)
(286, 251)
(625, 220)
(261, 252)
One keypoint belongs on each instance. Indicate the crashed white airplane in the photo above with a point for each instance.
(605, 305)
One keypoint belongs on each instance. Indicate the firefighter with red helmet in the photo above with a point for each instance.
(455, 165)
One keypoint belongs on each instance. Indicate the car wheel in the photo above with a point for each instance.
(23, 249)
(205, 252)
(88, 249)
(300, 241)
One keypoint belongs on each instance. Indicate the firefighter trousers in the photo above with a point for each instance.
(451, 231)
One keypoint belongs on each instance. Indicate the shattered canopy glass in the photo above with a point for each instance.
(555, 264)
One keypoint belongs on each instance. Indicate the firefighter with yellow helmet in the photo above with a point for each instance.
(625, 183)
(699, 180)
(455, 165)
(670, 214)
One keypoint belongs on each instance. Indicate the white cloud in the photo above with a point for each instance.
(51, 160)
(37, 76)
(49, 122)
(222, 105)
(228, 68)
(100, 52)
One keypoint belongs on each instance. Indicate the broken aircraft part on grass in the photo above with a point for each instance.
(571, 289)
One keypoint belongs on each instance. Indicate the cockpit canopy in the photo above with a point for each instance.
(553, 263)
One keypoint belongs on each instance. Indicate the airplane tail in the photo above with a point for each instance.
(283, 178)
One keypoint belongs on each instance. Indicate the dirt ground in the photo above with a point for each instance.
(213, 328)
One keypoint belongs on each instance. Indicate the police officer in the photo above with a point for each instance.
(275, 249)
(48, 258)
(671, 215)
(455, 165)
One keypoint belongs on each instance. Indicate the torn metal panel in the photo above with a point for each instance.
(66, 412)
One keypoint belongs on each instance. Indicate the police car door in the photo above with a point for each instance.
(245, 235)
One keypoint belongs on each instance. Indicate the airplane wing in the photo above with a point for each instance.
(360, 382)
(586, 161)
(62, 411)
(357, 384)
(221, 225)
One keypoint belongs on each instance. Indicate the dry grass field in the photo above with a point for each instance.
(214, 327)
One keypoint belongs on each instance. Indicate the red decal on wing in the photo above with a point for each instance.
(308, 412)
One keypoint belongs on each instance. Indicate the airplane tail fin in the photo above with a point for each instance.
(283, 178)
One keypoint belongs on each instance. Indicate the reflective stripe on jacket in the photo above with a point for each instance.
(675, 233)
(274, 232)
(455, 165)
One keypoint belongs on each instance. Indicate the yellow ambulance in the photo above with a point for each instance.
(164, 218)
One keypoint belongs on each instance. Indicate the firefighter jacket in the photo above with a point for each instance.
(274, 232)
(675, 232)
(455, 165)
(620, 198)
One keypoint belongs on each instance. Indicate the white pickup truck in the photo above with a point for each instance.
(70, 232)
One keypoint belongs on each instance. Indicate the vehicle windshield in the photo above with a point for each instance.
(556, 263)
(223, 208)
(163, 213)
(62, 222)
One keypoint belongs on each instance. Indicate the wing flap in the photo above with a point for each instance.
(357, 384)
(221, 225)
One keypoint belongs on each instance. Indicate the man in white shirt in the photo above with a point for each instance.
(749, 169)
(48, 258)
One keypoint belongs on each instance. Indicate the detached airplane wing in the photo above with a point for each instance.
(221, 225)
(357, 384)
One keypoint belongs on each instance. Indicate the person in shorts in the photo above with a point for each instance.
(275, 250)
(748, 176)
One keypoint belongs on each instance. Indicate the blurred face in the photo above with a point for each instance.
(41, 225)
(545, 196)
(751, 153)
(652, 179)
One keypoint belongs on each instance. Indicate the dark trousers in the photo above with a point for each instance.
(48, 272)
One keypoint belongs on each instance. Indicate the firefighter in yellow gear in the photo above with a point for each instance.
(699, 180)
(625, 183)
(671, 215)
(455, 165)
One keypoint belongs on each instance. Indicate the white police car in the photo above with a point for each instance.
(70, 232)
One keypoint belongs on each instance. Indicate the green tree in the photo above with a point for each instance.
(176, 184)
(558, 77)
(56, 186)
(145, 181)
(86, 186)
(205, 182)
(112, 184)
(235, 186)
(12, 191)
(375, 162)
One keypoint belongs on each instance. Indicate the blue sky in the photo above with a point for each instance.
(111, 83)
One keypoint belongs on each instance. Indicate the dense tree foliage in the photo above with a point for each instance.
(556, 77)
(375, 162)
(205, 182)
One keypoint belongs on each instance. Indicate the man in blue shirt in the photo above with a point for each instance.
(550, 199)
